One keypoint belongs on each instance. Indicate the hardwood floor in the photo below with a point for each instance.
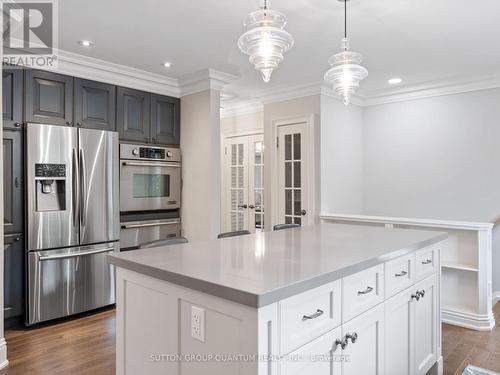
(463, 346)
(86, 345)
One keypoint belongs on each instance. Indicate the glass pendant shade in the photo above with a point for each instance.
(265, 40)
(346, 72)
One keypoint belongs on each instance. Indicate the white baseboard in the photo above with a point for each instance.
(3, 354)
(440, 365)
(468, 320)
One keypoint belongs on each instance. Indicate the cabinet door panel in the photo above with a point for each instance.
(165, 120)
(366, 355)
(95, 105)
(320, 357)
(12, 187)
(49, 98)
(426, 317)
(12, 97)
(399, 334)
(133, 115)
(13, 276)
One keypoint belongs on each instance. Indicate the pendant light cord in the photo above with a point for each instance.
(345, 21)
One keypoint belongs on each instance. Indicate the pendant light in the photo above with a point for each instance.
(346, 71)
(265, 40)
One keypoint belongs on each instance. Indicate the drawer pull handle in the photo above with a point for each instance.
(366, 291)
(427, 261)
(402, 273)
(317, 314)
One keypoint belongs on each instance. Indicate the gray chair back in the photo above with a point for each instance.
(167, 242)
(285, 226)
(233, 234)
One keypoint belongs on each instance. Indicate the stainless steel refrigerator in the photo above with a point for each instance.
(72, 219)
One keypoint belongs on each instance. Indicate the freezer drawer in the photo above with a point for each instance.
(68, 281)
(135, 233)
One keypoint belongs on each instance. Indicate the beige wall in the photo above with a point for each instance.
(242, 124)
(201, 173)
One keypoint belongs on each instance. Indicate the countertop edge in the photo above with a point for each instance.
(260, 300)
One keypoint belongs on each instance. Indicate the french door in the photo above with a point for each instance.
(292, 173)
(243, 183)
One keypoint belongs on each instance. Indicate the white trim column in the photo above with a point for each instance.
(3, 344)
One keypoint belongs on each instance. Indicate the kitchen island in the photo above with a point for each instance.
(323, 299)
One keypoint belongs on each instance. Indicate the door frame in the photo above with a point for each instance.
(311, 168)
(224, 137)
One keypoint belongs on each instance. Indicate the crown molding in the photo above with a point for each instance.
(206, 79)
(91, 68)
(239, 108)
(100, 70)
(429, 90)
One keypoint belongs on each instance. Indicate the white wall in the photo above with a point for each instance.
(201, 171)
(434, 158)
(342, 157)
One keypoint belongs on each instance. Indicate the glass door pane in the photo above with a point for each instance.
(258, 184)
(237, 188)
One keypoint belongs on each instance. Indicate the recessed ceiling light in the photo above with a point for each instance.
(167, 64)
(394, 81)
(86, 43)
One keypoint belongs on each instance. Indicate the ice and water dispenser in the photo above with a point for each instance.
(50, 182)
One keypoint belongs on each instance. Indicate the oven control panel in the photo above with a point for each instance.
(142, 152)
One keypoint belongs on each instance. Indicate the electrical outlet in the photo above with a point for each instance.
(198, 323)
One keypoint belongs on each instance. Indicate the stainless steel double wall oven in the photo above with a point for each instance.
(150, 194)
(72, 219)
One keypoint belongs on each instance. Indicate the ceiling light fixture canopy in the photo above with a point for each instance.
(265, 40)
(346, 70)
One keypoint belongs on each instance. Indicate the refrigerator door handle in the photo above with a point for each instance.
(83, 192)
(76, 191)
(73, 255)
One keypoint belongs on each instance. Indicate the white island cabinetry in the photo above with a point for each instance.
(375, 317)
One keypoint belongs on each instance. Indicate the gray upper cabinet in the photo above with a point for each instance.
(95, 105)
(13, 276)
(48, 98)
(133, 115)
(165, 120)
(12, 98)
(12, 181)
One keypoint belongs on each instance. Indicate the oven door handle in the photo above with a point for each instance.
(73, 255)
(131, 226)
(150, 164)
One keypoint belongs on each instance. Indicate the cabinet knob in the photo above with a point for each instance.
(251, 206)
(352, 336)
(17, 239)
(69, 123)
(343, 343)
(303, 212)
(17, 124)
(420, 293)
(78, 124)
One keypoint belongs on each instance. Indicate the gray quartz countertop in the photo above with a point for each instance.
(262, 268)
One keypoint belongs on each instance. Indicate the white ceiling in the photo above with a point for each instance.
(421, 41)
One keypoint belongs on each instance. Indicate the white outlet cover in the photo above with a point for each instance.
(198, 323)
